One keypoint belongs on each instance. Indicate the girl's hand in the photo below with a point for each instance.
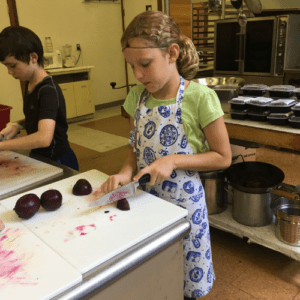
(160, 169)
(114, 181)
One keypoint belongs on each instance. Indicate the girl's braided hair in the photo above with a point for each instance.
(160, 30)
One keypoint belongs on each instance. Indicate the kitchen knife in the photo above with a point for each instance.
(124, 191)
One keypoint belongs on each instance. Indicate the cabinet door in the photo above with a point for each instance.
(84, 97)
(68, 92)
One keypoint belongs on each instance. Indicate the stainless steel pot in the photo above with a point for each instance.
(252, 209)
(214, 188)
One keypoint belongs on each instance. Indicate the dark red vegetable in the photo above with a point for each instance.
(51, 200)
(123, 204)
(82, 187)
(27, 206)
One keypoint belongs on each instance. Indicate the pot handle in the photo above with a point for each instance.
(226, 189)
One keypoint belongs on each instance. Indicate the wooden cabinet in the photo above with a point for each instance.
(77, 88)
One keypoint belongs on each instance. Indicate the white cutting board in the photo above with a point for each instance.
(86, 237)
(29, 269)
(18, 171)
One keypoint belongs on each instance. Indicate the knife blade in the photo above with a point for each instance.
(124, 191)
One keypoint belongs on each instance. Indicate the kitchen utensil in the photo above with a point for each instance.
(29, 267)
(87, 237)
(252, 209)
(242, 19)
(19, 171)
(215, 195)
(236, 3)
(254, 177)
(214, 4)
(125, 191)
(254, 6)
(69, 61)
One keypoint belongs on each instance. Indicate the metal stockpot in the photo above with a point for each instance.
(215, 194)
(252, 184)
(252, 209)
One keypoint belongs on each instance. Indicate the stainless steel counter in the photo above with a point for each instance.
(105, 275)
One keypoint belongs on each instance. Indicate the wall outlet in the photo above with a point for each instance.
(148, 7)
(78, 47)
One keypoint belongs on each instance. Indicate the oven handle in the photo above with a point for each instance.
(241, 59)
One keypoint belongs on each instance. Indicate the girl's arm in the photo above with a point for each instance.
(125, 174)
(40, 139)
(219, 156)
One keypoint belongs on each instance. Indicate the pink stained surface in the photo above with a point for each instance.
(13, 167)
(12, 265)
(80, 230)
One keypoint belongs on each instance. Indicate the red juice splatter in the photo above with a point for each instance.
(111, 217)
(12, 269)
(117, 195)
(13, 167)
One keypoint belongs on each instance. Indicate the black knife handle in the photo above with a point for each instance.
(144, 179)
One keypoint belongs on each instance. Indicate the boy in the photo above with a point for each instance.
(21, 51)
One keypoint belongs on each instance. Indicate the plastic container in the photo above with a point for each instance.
(239, 103)
(294, 121)
(281, 91)
(279, 119)
(259, 116)
(296, 109)
(48, 45)
(297, 93)
(260, 104)
(239, 114)
(282, 105)
(254, 89)
(4, 115)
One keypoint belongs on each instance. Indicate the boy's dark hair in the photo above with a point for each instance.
(20, 42)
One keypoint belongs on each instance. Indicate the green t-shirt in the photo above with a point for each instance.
(200, 106)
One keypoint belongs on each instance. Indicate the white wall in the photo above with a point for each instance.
(97, 27)
(133, 8)
(10, 88)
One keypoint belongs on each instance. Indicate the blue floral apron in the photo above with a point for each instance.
(159, 132)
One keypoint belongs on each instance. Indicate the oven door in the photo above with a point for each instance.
(246, 52)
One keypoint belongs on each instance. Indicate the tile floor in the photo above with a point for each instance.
(243, 271)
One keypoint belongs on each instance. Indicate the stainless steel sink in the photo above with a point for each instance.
(225, 87)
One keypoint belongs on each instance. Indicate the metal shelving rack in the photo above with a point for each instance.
(203, 25)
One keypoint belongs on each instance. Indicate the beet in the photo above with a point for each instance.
(82, 187)
(123, 204)
(51, 200)
(27, 206)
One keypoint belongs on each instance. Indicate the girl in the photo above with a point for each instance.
(177, 130)
(21, 51)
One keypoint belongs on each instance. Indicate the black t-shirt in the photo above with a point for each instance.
(46, 101)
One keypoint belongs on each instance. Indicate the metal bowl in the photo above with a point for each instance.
(225, 87)
(212, 82)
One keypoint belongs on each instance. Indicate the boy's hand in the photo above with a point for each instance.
(160, 169)
(9, 132)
